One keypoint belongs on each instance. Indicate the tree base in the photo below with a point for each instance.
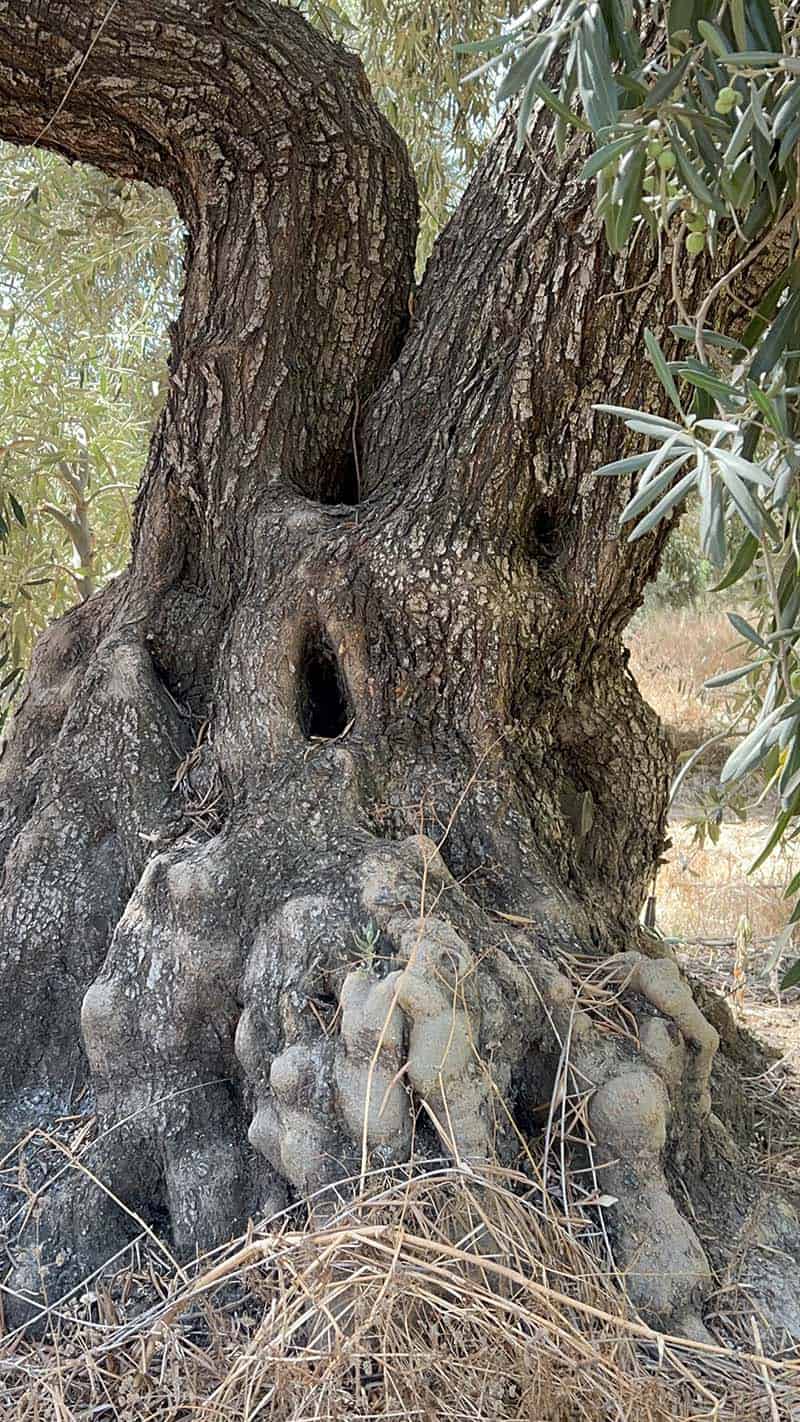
(409, 1024)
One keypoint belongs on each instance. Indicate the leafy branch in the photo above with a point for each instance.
(694, 120)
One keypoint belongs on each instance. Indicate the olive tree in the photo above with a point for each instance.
(315, 820)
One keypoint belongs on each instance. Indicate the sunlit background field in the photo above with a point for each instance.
(704, 889)
(705, 892)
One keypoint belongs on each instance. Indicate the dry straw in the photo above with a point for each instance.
(444, 1293)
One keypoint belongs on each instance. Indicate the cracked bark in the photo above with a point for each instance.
(369, 547)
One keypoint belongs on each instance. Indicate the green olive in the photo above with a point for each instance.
(695, 242)
(667, 160)
(727, 99)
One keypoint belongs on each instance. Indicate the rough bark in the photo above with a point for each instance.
(304, 816)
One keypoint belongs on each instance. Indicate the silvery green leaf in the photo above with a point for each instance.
(657, 458)
(741, 564)
(524, 114)
(651, 426)
(738, 183)
(529, 65)
(767, 407)
(756, 96)
(762, 159)
(745, 630)
(627, 194)
(662, 369)
(703, 126)
(625, 413)
(790, 775)
(781, 824)
(763, 23)
(787, 110)
(753, 473)
(762, 210)
(753, 59)
(666, 84)
(746, 756)
(494, 42)
(669, 501)
(711, 338)
(786, 634)
(788, 142)
(691, 176)
(624, 466)
(760, 323)
(783, 487)
(736, 11)
(705, 379)
(790, 606)
(727, 678)
(739, 137)
(563, 111)
(649, 492)
(712, 515)
(595, 78)
(623, 35)
(718, 426)
(746, 505)
(783, 734)
(752, 749)
(714, 38)
(779, 336)
(606, 155)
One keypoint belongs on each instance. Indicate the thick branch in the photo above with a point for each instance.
(301, 214)
(525, 320)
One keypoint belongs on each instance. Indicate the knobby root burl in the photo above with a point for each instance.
(381, 1015)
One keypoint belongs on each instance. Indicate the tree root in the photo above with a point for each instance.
(379, 1018)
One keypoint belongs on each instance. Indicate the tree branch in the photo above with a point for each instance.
(301, 213)
(525, 320)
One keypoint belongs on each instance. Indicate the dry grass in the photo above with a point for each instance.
(673, 651)
(449, 1294)
(703, 891)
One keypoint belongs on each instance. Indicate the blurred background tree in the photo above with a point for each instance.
(89, 275)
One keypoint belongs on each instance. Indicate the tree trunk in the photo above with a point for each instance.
(314, 818)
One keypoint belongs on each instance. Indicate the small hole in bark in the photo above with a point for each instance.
(323, 701)
(335, 485)
(545, 543)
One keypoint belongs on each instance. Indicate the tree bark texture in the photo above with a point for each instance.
(305, 817)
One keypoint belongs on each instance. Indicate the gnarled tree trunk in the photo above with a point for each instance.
(372, 626)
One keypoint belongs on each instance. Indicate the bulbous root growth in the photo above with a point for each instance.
(382, 1017)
